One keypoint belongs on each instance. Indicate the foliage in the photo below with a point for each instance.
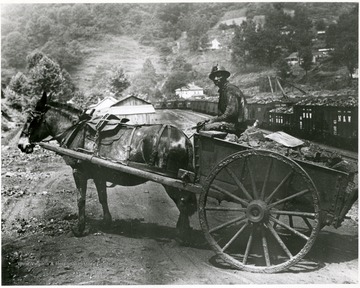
(20, 84)
(306, 56)
(118, 80)
(146, 82)
(15, 48)
(16, 100)
(343, 37)
(47, 75)
(282, 68)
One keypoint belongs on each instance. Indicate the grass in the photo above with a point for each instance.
(112, 51)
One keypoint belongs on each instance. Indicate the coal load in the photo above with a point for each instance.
(306, 151)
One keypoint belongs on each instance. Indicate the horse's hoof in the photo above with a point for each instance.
(184, 238)
(107, 222)
(80, 232)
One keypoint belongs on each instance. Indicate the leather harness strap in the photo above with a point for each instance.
(128, 147)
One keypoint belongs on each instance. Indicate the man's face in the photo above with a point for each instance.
(219, 80)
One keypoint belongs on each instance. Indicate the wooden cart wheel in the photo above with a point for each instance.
(259, 211)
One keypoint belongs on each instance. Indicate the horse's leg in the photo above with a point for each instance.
(81, 185)
(186, 203)
(101, 190)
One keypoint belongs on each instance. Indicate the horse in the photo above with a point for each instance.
(167, 150)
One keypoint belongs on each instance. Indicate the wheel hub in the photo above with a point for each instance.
(257, 211)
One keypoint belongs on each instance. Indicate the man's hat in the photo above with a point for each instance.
(218, 70)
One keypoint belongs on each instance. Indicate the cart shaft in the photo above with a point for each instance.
(152, 176)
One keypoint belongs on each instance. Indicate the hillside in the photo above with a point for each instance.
(113, 51)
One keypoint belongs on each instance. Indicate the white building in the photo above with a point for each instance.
(189, 91)
(137, 110)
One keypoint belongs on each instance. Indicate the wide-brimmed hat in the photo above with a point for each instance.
(218, 70)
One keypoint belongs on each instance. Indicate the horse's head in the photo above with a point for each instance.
(35, 128)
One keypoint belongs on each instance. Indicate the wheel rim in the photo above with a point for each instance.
(259, 211)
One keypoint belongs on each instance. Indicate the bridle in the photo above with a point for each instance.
(38, 116)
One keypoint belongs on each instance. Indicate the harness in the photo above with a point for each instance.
(64, 141)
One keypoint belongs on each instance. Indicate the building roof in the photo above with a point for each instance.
(111, 100)
(293, 55)
(189, 87)
(129, 110)
(129, 97)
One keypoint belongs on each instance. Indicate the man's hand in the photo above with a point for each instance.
(200, 125)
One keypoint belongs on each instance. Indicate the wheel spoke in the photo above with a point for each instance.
(228, 223)
(266, 179)
(248, 246)
(268, 199)
(234, 237)
(238, 182)
(265, 247)
(291, 222)
(242, 201)
(289, 198)
(293, 213)
(225, 209)
(253, 185)
(307, 223)
(289, 228)
(278, 239)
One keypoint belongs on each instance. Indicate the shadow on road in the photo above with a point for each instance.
(330, 247)
(135, 228)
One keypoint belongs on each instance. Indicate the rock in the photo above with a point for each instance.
(231, 137)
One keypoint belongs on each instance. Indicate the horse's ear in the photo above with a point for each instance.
(40, 106)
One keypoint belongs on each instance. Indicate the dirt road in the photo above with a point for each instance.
(39, 207)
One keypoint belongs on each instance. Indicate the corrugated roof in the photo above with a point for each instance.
(111, 100)
(131, 96)
(129, 110)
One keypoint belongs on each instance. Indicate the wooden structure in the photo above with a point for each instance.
(137, 110)
(259, 211)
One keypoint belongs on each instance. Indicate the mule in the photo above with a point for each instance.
(146, 144)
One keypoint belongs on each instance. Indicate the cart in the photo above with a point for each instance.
(260, 211)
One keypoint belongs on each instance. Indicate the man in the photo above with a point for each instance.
(232, 111)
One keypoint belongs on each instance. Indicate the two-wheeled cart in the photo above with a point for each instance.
(260, 211)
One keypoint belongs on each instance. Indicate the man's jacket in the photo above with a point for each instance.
(232, 105)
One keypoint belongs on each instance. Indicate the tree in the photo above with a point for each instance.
(302, 28)
(15, 48)
(67, 54)
(176, 80)
(180, 64)
(345, 41)
(118, 80)
(269, 45)
(197, 28)
(20, 84)
(320, 25)
(306, 56)
(46, 75)
(239, 45)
